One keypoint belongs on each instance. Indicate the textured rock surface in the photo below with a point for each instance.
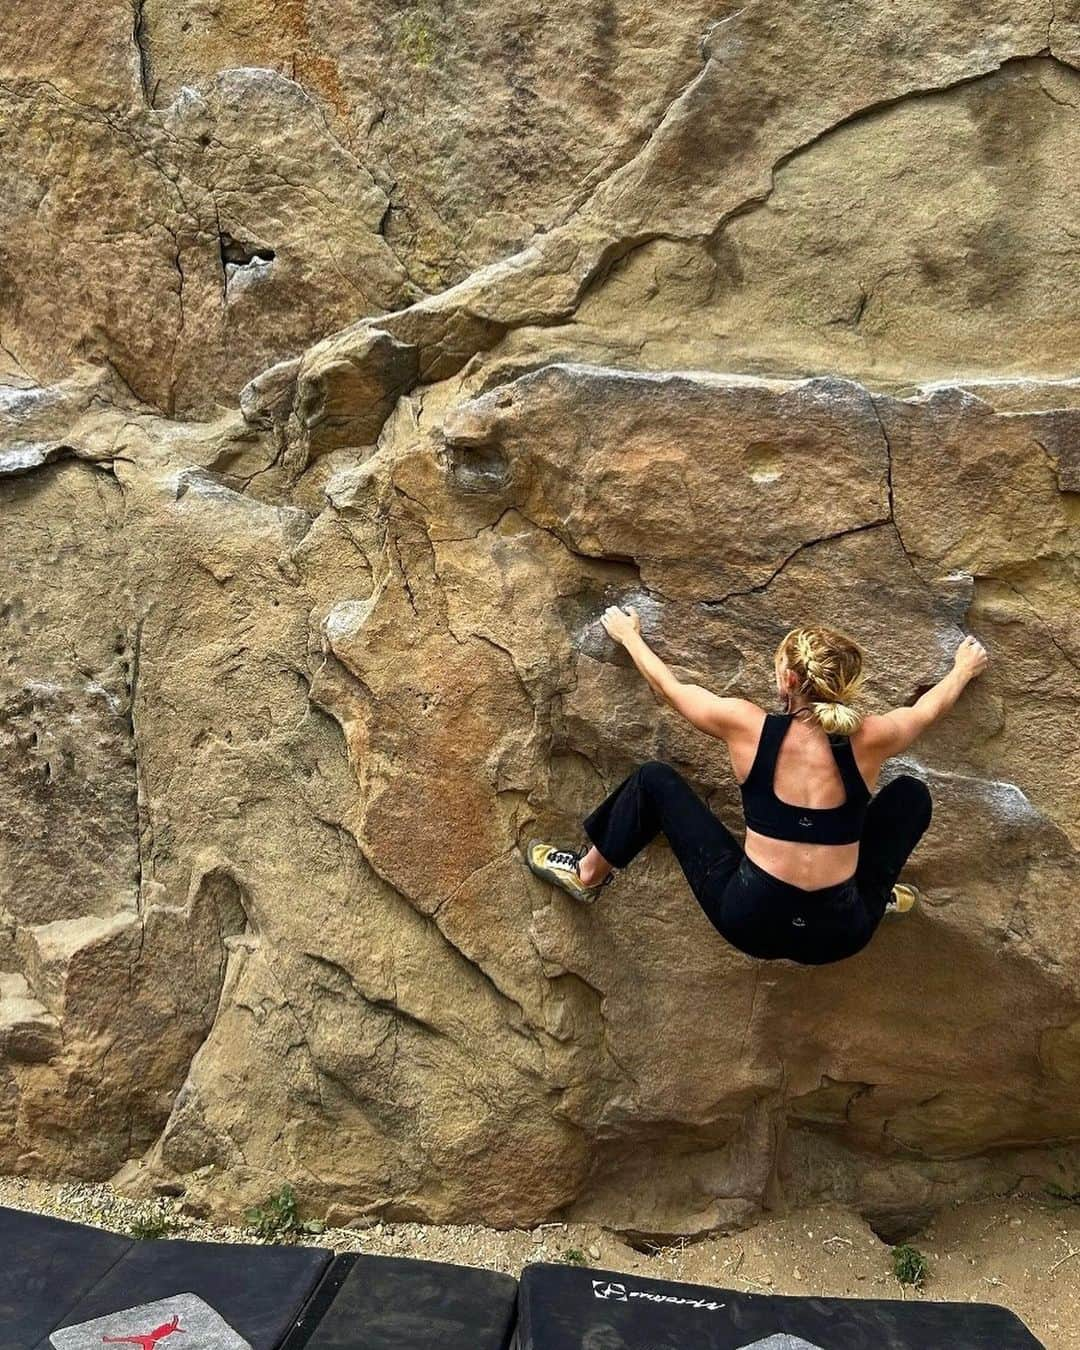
(313, 490)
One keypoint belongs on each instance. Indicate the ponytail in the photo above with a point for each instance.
(837, 719)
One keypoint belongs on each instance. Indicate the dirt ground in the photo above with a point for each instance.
(1023, 1253)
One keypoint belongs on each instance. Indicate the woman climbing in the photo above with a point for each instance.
(821, 860)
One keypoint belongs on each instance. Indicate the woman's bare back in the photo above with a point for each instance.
(806, 775)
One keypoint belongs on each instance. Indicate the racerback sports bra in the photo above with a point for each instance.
(767, 814)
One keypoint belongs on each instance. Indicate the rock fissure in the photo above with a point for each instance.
(140, 40)
(761, 586)
(1066, 655)
(889, 480)
(143, 846)
(389, 1004)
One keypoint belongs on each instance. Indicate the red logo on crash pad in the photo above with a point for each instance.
(150, 1340)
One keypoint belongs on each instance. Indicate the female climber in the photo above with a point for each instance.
(821, 860)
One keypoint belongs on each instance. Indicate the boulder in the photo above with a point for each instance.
(318, 465)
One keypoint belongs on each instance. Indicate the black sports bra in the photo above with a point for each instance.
(767, 814)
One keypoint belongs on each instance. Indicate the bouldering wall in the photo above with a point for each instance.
(352, 360)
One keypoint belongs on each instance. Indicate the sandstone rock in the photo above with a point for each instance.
(869, 254)
(344, 397)
(211, 217)
(28, 1031)
(91, 57)
(488, 121)
(303, 569)
(776, 81)
(56, 954)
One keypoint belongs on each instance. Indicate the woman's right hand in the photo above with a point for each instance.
(971, 658)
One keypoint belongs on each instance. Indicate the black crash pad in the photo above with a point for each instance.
(258, 1290)
(566, 1308)
(396, 1303)
(55, 1274)
(46, 1266)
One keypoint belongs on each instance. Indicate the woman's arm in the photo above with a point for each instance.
(708, 712)
(894, 731)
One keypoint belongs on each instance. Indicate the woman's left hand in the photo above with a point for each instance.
(621, 624)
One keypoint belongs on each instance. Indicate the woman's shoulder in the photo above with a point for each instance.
(869, 745)
(739, 718)
(872, 730)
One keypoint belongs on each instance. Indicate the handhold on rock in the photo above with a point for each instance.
(28, 1031)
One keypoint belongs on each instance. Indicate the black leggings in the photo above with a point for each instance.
(755, 911)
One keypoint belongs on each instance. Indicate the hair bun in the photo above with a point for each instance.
(836, 718)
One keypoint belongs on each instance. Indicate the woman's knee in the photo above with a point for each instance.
(913, 794)
(655, 773)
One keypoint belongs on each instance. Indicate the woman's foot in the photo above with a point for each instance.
(903, 898)
(561, 866)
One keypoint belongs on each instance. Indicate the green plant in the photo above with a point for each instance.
(574, 1256)
(278, 1216)
(909, 1264)
(1060, 1193)
(416, 39)
(152, 1223)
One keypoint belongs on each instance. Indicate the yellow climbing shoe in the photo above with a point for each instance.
(560, 867)
(903, 898)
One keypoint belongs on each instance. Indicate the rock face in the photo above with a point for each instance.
(351, 362)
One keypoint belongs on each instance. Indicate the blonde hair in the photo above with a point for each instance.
(829, 667)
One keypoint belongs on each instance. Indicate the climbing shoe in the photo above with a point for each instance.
(560, 867)
(903, 898)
